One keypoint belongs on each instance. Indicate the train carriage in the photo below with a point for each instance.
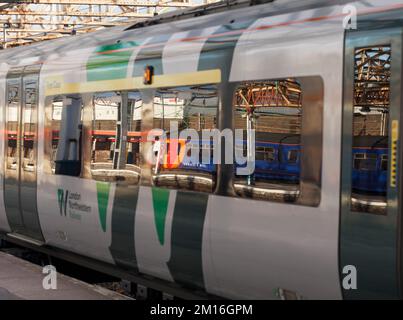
(78, 127)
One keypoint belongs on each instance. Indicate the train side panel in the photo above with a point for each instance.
(75, 213)
(4, 226)
(210, 242)
(279, 245)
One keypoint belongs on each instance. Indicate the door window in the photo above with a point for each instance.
(370, 147)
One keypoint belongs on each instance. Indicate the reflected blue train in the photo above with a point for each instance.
(278, 157)
(370, 164)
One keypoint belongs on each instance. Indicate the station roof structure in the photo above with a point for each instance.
(27, 21)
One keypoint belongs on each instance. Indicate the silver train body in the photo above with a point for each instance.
(218, 243)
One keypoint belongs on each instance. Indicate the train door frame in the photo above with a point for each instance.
(20, 184)
(368, 241)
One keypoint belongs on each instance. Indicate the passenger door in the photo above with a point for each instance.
(370, 195)
(20, 191)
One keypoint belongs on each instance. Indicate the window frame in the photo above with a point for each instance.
(165, 123)
(313, 97)
(50, 152)
(122, 143)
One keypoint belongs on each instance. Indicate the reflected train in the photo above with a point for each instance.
(370, 165)
(78, 182)
(277, 159)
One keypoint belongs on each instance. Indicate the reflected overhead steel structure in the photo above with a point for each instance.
(26, 21)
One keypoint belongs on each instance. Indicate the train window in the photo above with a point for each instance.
(29, 123)
(66, 135)
(182, 162)
(265, 154)
(116, 133)
(282, 113)
(13, 100)
(370, 145)
(384, 162)
(365, 161)
(292, 156)
(357, 158)
(56, 117)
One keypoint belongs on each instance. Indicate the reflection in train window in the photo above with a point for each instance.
(293, 156)
(56, 117)
(370, 146)
(66, 128)
(274, 109)
(13, 100)
(384, 162)
(365, 161)
(190, 107)
(116, 134)
(29, 123)
(265, 154)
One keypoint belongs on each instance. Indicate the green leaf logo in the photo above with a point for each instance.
(103, 196)
(160, 205)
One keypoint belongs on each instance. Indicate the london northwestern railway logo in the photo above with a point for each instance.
(71, 205)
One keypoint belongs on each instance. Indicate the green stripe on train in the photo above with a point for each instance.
(186, 261)
(110, 62)
(102, 197)
(160, 205)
